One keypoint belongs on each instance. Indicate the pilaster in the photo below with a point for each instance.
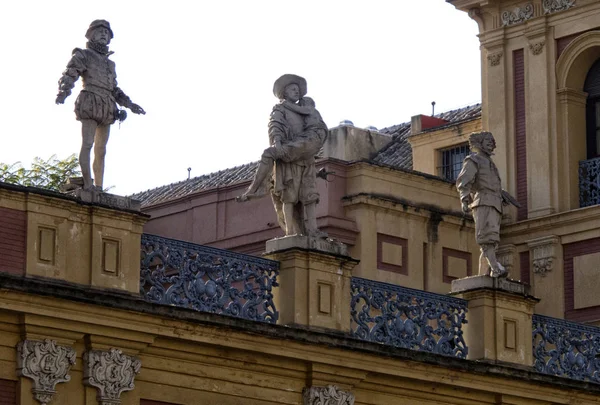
(546, 255)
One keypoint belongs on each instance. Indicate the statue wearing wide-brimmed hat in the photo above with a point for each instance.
(287, 168)
(96, 105)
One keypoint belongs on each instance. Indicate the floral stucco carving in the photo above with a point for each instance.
(518, 15)
(111, 372)
(495, 58)
(553, 6)
(329, 395)
(47, 364)
(544, 252)
(537, 47)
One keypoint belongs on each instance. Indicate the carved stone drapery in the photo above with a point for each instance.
(46, 363)
(329, 395)
(553, 6)
(111, 372)
(537, 48)
(495, 58)
(518, 15)
(544, 252)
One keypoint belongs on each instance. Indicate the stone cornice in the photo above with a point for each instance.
(76, 305)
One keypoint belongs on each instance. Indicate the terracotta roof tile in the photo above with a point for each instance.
(173, 191)
(397, 153)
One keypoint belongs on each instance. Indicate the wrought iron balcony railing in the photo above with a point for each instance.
(566, 349)
(589, 182)
(408, 318)
(208, 279)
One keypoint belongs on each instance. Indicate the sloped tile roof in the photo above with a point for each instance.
(173, 191)
(398, 152)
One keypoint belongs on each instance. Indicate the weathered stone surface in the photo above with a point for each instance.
(327, 245)
(478, 282)
(110, 200)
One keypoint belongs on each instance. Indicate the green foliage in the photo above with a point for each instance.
(49, 174)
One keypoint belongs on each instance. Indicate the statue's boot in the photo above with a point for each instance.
(496, 269)
(259, 186)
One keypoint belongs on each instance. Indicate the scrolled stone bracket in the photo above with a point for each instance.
(47, 364)
(111, 373)
(506, 255)
(544, 251)
(329, 395)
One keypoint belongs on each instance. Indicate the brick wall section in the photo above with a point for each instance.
(524, 264)
(520, 132)
(8, 392)
(561, 43)
(149, 402)
(13, 231)
(570, 251)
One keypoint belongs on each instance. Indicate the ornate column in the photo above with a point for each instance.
(329, 395)
(548, 276)
(47, 364)
(111, 372)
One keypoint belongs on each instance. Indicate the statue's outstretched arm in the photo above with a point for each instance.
(75, 68)
(123, 100)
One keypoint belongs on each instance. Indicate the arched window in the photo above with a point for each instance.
(592, 87)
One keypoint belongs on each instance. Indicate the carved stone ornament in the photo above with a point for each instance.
(111, 372)
(537, 48)
(518, 15)
(330, 395)
(495, 58)
(553, 6)
(544, 254)
(46, 363)
(506, 256)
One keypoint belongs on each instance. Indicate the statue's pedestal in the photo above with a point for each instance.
(109, 200)
(499, 319)
(314, 281)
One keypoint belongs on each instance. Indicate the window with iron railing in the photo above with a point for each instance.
(451, 161)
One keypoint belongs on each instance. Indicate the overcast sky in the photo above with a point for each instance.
(204, 72)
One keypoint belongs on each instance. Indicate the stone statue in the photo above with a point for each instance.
(480, 190)
(287, 168)
(96, 105)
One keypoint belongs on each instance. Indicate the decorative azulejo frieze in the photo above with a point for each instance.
(46, 363)
(111, 372)
(329, 395)
(518, 15)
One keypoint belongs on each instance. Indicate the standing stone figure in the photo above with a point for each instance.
(287, 168)
(478, 184)
(96, 105)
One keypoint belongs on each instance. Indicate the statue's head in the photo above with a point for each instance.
(483, 142)
(290, 87)
(99, 32)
